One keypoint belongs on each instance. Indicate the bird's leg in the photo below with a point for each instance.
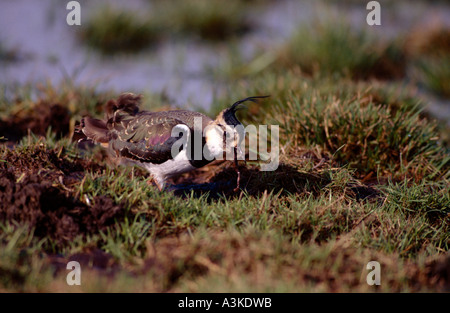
(236, 164)
(157, 183)
(160, 187)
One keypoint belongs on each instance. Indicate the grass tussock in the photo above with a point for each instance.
(367, 136)
(113, 31)
(435, 74)
(379, 130)
(336, 48)
(207, 20)
(8, 54)
(429, 50)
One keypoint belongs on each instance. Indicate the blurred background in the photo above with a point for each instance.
(192, 53)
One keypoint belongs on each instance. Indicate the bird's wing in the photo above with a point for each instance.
(146, 137)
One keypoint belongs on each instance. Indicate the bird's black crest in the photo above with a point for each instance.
(229, 115)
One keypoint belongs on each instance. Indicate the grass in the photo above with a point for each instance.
(367, 136)
(414, 214)
(21, 267)
(38, 107)
(79, 100)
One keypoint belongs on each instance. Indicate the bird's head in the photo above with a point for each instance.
(225, 133)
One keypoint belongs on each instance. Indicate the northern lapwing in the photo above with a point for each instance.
(147, 139)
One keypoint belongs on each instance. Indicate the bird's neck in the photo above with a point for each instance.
(214, 135)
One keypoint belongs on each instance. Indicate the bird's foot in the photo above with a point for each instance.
(154, 182)
(236, 165)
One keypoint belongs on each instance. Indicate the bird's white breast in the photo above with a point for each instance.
(214, 140)
(178, 165)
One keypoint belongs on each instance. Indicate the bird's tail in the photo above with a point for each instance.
(126, 105)
(95, 129)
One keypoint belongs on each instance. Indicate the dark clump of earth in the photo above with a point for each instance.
(35, 190)
(56, 116)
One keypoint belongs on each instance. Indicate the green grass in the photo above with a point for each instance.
(414, 219)
(367, 136)
(21, 266)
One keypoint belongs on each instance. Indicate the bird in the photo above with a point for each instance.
(165, 143)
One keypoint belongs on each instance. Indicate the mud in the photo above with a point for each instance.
(50, 212)
(35, 189)
(43, 116)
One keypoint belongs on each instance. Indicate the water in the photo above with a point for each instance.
(49, 49)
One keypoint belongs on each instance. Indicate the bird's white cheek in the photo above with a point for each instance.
(214, 141)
